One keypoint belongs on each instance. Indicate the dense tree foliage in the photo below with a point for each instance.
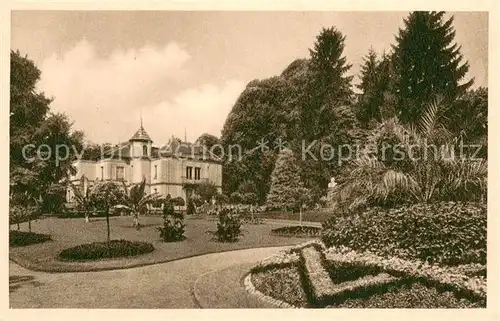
(428, 63)
(42, 144)
(308, 104)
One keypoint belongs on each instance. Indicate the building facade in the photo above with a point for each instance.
(174, 169)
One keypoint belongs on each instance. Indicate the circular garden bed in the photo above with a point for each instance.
(297, 231)
(19, 238)
(104, 250)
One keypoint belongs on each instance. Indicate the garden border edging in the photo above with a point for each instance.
(247, 282)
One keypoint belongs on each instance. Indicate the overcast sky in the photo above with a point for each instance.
(184, 70)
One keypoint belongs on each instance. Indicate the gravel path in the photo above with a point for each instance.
(208, 281)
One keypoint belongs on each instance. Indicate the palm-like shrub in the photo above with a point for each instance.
(83, 200)
(136, 199)
(412, 164)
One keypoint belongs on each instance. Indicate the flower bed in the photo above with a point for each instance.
(19, 238)
(285, 281)
(340, 277)
(408, 296)
(473, 287)
(104, 250)
(297, 231)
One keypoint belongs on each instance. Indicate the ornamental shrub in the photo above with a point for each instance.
(228, 226)
(444, 233)
(173, 224)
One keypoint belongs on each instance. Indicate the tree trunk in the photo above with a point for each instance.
(107, 224)
(86, 217)
(300, 216)
(18, 226)
(136, 220)
(29, 223)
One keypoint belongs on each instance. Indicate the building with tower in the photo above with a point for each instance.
(175, 168)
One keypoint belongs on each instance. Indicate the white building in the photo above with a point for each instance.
(174, 169)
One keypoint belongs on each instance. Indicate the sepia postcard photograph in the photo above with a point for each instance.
(249, 159)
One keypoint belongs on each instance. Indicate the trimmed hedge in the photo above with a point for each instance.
(297, 231)
(445, 233)
(19, 238)
(104, 250)
(366, 280)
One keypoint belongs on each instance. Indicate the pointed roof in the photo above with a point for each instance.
(140, 136)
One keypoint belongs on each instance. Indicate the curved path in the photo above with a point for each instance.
(208, 281)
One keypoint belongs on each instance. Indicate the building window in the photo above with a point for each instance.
(156, 190)
(156, 172)
(102, 173)
(197, 173)
(119, 173)
(144, 150)
(189, 172)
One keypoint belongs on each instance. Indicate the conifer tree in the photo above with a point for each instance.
(428, 63)
(328, 85)
(375, 86)
(286, 186)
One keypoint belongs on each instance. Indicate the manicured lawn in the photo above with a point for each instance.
(67, 233)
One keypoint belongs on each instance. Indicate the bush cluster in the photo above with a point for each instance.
(104, 250)
(228, 226)
(445, 233)
(19, 238)
(173, 224)
(297, 231)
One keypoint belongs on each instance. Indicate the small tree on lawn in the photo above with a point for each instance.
(136, 200)
(303, 200)
(250, 199)
(23, 207)
(83, 200)
(206, 191)
(24, 186)
(286, 186)
(104, 196)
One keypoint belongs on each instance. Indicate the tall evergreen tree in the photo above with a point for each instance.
(286, 185)
(428, 63)
(368, 71)
(327, 87)
(369, 101)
